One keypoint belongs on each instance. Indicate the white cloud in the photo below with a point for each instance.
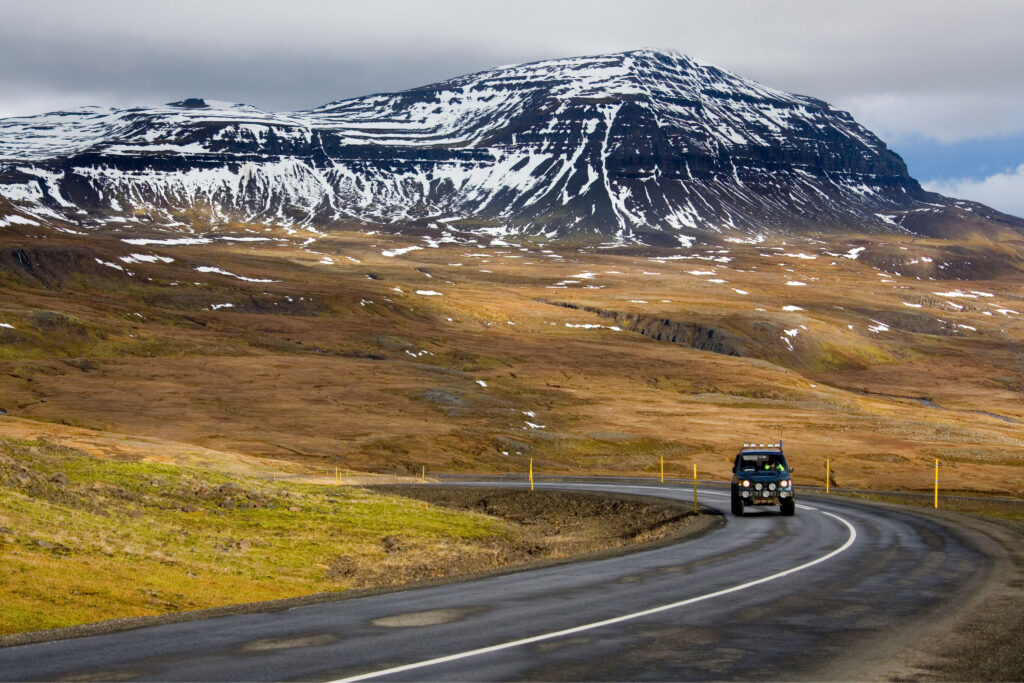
(943, 116)
(1002, 191)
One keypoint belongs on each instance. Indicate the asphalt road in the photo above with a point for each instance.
(828, 593)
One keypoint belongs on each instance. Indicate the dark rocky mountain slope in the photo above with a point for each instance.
(639, 146)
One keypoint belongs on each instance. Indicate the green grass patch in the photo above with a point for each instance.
(84, 539)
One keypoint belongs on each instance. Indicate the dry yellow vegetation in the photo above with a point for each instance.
(474, 358)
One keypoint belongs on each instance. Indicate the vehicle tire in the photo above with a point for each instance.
(737, 506)
(787, 507)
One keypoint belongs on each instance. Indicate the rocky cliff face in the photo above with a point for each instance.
(639, 146)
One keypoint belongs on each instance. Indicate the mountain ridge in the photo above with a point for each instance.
(642, 146)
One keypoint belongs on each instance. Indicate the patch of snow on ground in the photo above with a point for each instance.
(907, 303)
(15, 219)
(428, 292)
(637, 301)
(391, 253)
(718, 280)
(147, 258)
(791, 308)
(482, 383)
(701, 272)
(796, 283)
(740, 291)
(968, 327)
(220, 271)
(853, 253)
(1007, 311)
(181, 241)
(217, 307)
(801, 255)
(878, 327)
(108, 264)
(8, 326)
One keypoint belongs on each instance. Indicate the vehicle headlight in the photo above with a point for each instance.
(758, 486)
(784, 483)
(746, 483)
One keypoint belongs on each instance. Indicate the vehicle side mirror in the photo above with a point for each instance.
(792, 470)
(734, 469)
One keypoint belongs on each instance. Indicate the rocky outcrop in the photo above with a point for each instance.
(695, 335)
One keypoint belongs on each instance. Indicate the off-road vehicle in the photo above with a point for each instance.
(761, 476)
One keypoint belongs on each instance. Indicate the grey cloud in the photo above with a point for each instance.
(308, 52)
(133, 73)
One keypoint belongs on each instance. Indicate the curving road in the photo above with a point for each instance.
(831, 592)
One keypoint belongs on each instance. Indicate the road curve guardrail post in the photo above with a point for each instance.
(695, 488)
(936, 483)
(531, 474)
(828, 473)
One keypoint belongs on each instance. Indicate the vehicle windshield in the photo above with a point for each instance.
(762, 462)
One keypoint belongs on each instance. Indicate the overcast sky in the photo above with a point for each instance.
(941, 81)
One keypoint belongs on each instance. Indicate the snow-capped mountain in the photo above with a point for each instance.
(643, 145)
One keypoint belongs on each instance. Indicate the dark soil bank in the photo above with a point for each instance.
(553, 524)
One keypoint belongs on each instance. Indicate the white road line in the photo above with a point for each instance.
(608, 622)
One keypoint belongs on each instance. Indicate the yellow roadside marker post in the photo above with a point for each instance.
(336, 479)
(694, 488)
(423, 474)
(827, 473)
(936, 484)
(531, 474)
(663, 469)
